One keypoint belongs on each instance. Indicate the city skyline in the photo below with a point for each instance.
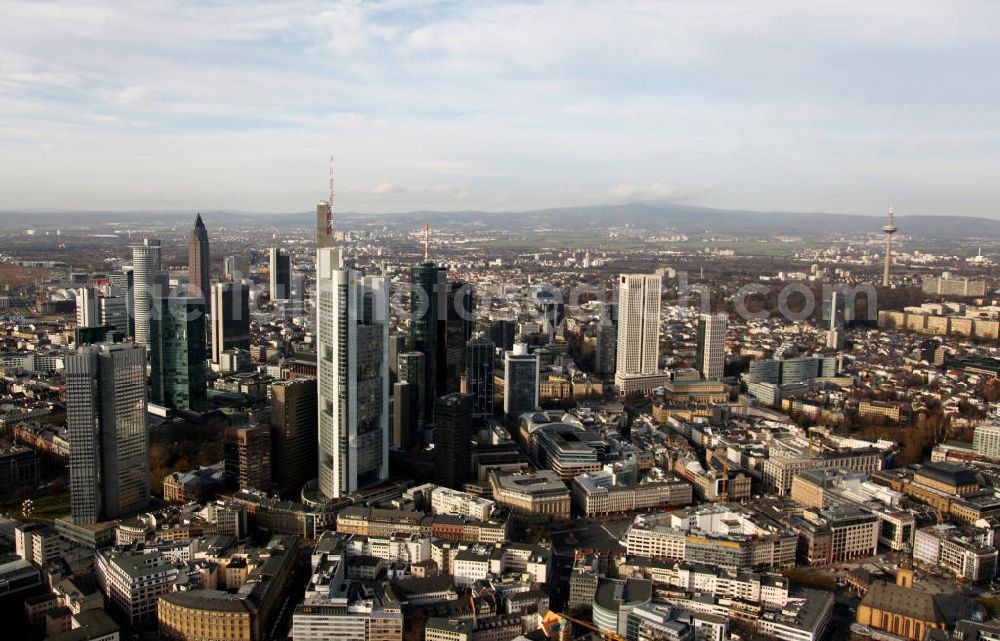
(654, 418)
(449, 106)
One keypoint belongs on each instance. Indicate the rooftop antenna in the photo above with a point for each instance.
(427, 242)
(329, 202)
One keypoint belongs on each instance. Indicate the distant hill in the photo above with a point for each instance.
(684, 219)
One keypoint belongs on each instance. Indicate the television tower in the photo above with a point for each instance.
(888, 230)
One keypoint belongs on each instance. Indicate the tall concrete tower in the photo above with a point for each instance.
(888, 230)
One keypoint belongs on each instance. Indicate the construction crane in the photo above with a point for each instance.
(557, 622)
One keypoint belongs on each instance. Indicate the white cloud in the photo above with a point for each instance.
(657, 191)
(384, 188)
(773, 103)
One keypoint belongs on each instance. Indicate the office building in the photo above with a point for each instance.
(452, 448)
(230, 318)
(837, 315)
(961, 551)
(113, 312)
(502, 332)
(715, 534)
(123, 283)
(405, 415)
(457, 334)
(428, 318)
(615, 599)
(94, 310)
(792, 370)
(150, 282)
(946, 285)
(247, 455)
(236, 268)
(520, 388)
(638, 324)
(132, 582)
(37, 543)
(19, 466)
(397, 345)
(541, 492)
(479, 379)
(783, 464)
(598, 495)
(207, 614)
(606, 335)
(711, 359)
(411, 369)
(280, 268)
(986, 440)
(86, 307)
(199, 261)
(336, 608)
(107, 432)
(177, 354)
(353, 352)
(293, 434)
(638, 344)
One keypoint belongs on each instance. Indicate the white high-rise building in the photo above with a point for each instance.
(353, 370)
(86, 307)
(107, 431)
(638, 323)
(712, 345)
(638, 344)
(150, 281)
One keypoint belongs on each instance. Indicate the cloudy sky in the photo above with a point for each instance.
(798, 105)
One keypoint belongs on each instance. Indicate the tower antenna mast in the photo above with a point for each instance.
(329, 202)
(427, 242)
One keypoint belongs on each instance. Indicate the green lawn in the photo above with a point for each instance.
(47, 506)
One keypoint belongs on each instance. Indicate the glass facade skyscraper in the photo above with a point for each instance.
(178, 353)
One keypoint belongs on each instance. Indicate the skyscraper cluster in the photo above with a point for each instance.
(106, 383)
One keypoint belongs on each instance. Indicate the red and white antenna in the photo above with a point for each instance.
(427, 242)
(329, 202)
